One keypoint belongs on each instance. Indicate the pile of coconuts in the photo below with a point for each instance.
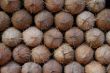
(54, 36)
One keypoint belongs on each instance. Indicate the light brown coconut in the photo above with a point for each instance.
(54, 5)
(108, 37)
(94, 67)
(95, 5)
(52, 66)
(74, 6)
(11, 37)
(108, 68)
(53, 38)
(11, 67)
(21, 19)
(10, 6)
(73, 67)
(40, 54)
(64, 21)
(32, 36)
(84, 54)
(102, 54)
(74, 36)
(95, 37)
(4, 21)
(33, 6)
(5, 54)
(85, 20)
(64, 54)
(43, 20)
(31, 67)
(103, 19)
(22, 54)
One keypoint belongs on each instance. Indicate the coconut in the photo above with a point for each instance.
(107, 37)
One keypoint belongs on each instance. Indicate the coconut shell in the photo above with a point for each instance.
(74, 67)
(84, 54)
(94, 67)
(53, 38)
(64, 54)
(95, 37)
(22, 54)
(52, 66)
(85, 20)
(21, 19)
(31, 67)
(32, 36)
(40, 54)
(33, 6)
(64, 21)
(10, 6)
(11, 37)
(74, 36)
(43, 20)
(108, 37)
(74, 6)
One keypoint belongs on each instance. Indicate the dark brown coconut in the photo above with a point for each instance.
(31, 67)
(74, 6)
(74, 36)
(21, 19)
(52, 66)
(85, 20)
(44, 20)
(40, 54)
(5, 54)
(22, 54)
(108, 37)
(84, 54)
(11, 67)
(74, 67)
(103, 19)
(102, 54)
(95, 37)
(10, 6)
(33, 6)
(4, 21)
(53, 38)
(54, 5)
(94, 67)
(64, 54)
(32, 36)
(11, 37)
(64, 21)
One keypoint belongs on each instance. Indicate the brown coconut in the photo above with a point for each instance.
(11, 67)
(52, 66)
(21, 19)
(5, 54)
(95, 37)
(32, 36)
(10, 6)
(31, 67)
(85, 20)
(54, 5)
(84, 54)
(64, 21)
(108, 37)
(94, 67)
(103, 20)
(40, 54)
(43, 20)
(64, 54)
(22, 54)
(53, 38)
(74, 36)
(4, 21)
(102, 54)
(11, 37)
(33, 6)
(74, 6)
(73, 67)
